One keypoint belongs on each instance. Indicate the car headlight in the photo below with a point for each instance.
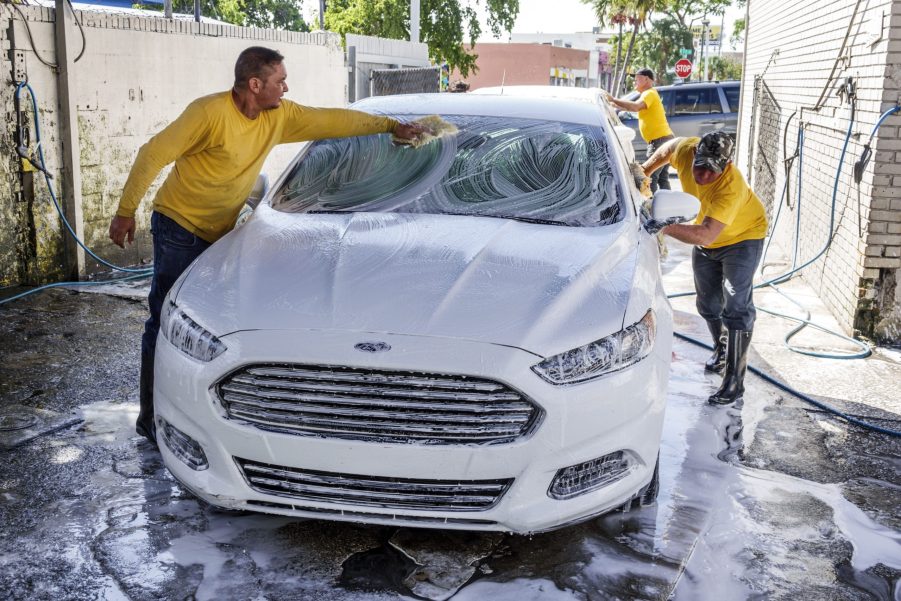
(187, 335)
(609, 354)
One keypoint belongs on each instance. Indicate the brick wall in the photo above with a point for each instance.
(137, 74)
(792, 48)
(521, 64)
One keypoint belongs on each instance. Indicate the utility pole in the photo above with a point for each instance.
(414, 21)
(321, 15)
(705, 55)
(71, 145)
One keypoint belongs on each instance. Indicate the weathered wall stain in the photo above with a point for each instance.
(136, 76)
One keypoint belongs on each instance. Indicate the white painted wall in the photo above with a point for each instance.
(793, 45)
(136, 76)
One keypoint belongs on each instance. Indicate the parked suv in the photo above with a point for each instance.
(692, 109)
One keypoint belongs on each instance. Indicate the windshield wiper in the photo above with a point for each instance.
(530, 219)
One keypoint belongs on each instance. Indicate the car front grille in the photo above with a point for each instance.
(351, 489)
(382, 406)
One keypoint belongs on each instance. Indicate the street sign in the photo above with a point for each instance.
(684, 52)
(683, 68)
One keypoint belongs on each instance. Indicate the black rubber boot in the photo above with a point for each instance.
(733, 386)
(717, 361)
(145, 425)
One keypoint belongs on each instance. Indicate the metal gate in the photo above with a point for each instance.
(404, 81)
(763, 151)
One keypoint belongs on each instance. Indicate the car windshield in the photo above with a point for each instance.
(532, 170)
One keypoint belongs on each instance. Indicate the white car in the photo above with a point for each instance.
(469, 335)
(624, 134)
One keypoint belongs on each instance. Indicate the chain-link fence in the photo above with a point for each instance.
(404, 81)
(763, 155)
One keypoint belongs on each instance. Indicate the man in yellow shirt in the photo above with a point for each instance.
(652, 123)
(728, 236)
(218, 145)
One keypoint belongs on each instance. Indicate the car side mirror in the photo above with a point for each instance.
(625, 134)
(670, 206)
(260, 187)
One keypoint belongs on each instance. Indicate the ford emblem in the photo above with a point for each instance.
(372, 347)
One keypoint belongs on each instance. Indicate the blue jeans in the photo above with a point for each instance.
(174, 249)
(724, 281)
(660, 178)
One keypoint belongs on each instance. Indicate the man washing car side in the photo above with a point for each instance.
(218, 145)
(652, 124)
(728, 236)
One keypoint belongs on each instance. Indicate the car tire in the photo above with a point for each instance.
(649, 495)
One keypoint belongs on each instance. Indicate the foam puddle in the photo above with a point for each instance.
(873, 543)
(719, 529)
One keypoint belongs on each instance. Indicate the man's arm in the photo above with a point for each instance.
(628, 105)
(307, 123)
(187, 134)
(661, 157)
(698, 235)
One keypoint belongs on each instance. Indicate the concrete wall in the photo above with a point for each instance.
(136, 75)
(522, 64)
(792, 47)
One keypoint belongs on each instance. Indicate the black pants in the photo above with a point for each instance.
(174, 249)
(660, 178)
(724, 281)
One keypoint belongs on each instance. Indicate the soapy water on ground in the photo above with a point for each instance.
(744, 512)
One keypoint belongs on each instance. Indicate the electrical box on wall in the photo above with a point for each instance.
(19, 72)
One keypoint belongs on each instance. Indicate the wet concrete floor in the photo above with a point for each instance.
(768, 500)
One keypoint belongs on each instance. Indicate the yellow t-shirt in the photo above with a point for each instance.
(729, 199)
(652, 120)
(218, 153)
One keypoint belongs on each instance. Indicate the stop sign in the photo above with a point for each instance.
(683, 67)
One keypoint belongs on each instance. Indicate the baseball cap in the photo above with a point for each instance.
(714, 151)
(646, 72)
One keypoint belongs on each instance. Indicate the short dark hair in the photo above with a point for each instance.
(255, 61)
(646, 72)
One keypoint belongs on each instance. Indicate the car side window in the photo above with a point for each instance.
(666, 97)
(699, 101)
(733, 94)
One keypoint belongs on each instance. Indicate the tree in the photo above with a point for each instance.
(658, 47)
(723, 68)
(682, 9)
(738, 32)
(443, 24)
(272, 14)
(637, 13)
(614, 13)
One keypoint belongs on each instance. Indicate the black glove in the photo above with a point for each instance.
(653, 226)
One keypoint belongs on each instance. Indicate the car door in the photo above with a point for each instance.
(697, 110)
(732, 95)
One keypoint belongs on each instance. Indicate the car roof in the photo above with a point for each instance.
(535, 91)
(543, 108)
(698, 84)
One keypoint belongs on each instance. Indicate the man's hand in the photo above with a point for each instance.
(119, 227)
(408, 131)
(608, 97)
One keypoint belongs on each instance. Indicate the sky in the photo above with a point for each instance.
(568, 16)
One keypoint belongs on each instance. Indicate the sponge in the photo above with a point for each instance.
(435, 127)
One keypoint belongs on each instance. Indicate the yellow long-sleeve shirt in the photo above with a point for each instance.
(218, 153)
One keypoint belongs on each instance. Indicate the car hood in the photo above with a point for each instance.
(541, 288)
